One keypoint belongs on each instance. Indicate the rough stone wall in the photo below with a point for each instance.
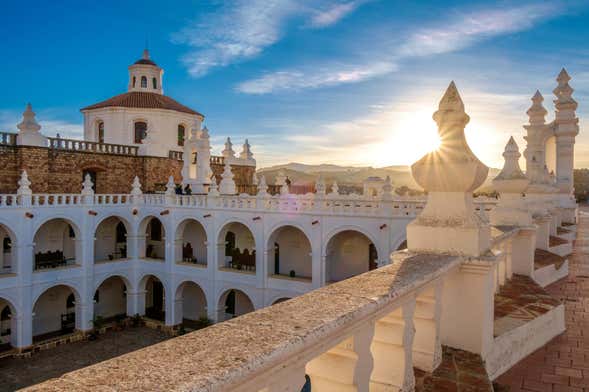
(60, 171)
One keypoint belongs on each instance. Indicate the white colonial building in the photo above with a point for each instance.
(68, 258)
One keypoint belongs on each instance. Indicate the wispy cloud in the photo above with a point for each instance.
(468, 28)
(242, 29)
(333, 13)
(456, 32)
(302, 79)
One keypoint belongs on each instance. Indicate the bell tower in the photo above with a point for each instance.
(145, 75)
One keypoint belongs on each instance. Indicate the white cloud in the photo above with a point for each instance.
(466, 29)
(242, 29)
(454, 33)
(334, 13)
(303, 79)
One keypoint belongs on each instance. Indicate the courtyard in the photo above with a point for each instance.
(16, 373)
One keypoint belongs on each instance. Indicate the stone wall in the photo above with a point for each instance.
(61, 171)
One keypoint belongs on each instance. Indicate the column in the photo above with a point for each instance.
(84, 315)
(392, 349)
(346, 367)
(523, 247)
(135, 302)
(468, 307)
(543, 232)
(427, 348)
(173, 307)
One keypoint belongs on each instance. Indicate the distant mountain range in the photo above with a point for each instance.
(303, 174)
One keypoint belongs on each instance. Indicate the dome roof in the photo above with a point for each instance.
(143, 100)
(145, 61)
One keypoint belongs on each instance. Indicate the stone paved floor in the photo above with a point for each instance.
(460, 371)
(17, 373)
(518, 302)
(562, 365)
(543, 258)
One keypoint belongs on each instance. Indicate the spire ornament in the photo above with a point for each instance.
(511, 184)
(246, 153)
(29, 134)
(228, 151)
(227, 186)
(448, 223)
(24, 185)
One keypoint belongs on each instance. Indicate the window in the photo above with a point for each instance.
(134, 80)
(181, 135)
(140, 131)
(71, 232)
(101, 132)
(143, 82)
(154, 81)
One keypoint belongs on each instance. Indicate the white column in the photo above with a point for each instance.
(135, 302)
(392, 349)
(523, 247)
(346, 367)
(468, 308)
(543, 233)
(84, 315)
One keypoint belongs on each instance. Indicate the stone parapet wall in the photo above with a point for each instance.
(61, 171)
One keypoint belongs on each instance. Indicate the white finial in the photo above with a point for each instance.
(280, 178)
(511, 179)
(146, 54)
(87, 186)
(29, 123)
(24, 185)
(537, 112)
(448, 222)
(564, 92)
(136, 187)
(320, 186)
(170, 187)
(262, 186)
(213, 188)
(284, 189)
(334, 189)
(246, 153)
(227, 186)
(228, 151)
(204, 133)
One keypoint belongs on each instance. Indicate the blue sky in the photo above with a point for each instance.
(336, 81)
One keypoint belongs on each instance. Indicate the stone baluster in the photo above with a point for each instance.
(392, 350)
(427, 348)
(347, 366)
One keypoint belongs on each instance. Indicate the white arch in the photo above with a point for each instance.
(125, 220)
(70, 220)
(40, 290)
(116, 274)
(184, 221)
(341, 229)
(285, 223)
(234, 220)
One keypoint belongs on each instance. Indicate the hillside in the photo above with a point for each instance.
(302, 174)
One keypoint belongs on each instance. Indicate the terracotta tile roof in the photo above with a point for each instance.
(144, 100)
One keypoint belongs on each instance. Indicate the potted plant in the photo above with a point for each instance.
(291, 273)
